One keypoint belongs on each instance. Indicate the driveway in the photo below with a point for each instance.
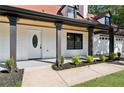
(47, 77)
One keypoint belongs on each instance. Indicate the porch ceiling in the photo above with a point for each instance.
(29, 14)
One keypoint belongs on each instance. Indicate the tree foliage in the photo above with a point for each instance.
(116, 10)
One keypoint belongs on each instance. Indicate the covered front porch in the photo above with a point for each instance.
(45, 62)
(58, 22)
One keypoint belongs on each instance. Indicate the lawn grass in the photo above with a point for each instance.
(112, 80)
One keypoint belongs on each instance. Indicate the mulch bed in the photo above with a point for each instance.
(84, 63)
(11, 79)
(70, 65)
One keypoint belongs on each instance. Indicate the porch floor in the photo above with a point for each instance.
(31, 63)
(37, 62)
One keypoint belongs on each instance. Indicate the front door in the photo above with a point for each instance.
(35, 44)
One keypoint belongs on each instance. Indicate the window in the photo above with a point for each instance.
(106, 38)
(74, 41)
(107, 20)
(71, 11)
(34, 41)
(102, 38)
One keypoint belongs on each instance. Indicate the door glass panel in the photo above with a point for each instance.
(35, 41)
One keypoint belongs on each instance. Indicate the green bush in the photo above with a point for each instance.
(102, 58)
(9, 64)
(62, 60)
(76, 60)
(113, 56)
(90, 59)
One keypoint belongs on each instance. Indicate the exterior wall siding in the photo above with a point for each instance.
(4, 41)
(69, 53)
(22, 42)
(48, 42)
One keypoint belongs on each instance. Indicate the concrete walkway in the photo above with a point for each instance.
(31, 63)
(46, 77)
(39, 62)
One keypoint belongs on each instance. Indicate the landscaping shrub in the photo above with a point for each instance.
(102, 58)
(113, 56)
(62, 60)
(76, 60)
(10, 64)
(90, 59)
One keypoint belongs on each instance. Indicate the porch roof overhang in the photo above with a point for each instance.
(34, 15)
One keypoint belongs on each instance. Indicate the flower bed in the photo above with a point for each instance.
(13, 79)
(90, 60)
(70, 65)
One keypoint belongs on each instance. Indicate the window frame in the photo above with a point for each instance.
(74, 42)
(106, 17)
(74, 11)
